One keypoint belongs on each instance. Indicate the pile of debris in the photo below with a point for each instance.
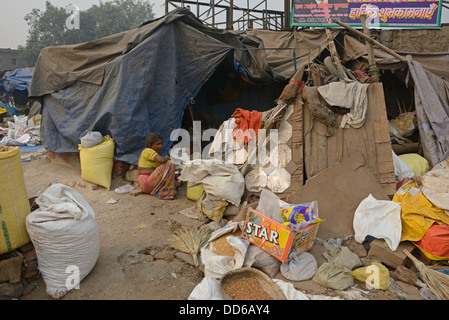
(18, 272)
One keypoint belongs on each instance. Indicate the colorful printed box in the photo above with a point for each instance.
(280, 241)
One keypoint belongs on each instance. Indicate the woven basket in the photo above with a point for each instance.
(265, 282)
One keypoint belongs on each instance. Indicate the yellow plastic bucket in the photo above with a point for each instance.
(14, 203)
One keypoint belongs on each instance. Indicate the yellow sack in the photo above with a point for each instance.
(405, 122)
(212, 207)
(195, 192)
(418, 164)
(97, 162)
(418, 214)
(14, 203)
(376, 276)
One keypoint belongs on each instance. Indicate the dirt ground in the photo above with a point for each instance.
(135, 262)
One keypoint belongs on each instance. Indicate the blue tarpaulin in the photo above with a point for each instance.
(18, 79)
(136, 82)
(145, 90)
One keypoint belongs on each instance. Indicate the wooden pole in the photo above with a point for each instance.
(334, 55)
(369, 47)
(287, 13)
(377, 43)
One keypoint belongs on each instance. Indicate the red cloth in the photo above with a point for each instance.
(436, 240)
(245, 121)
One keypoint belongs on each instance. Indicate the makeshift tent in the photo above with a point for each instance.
(18, 79)
(142, 80)
(427, 74)
(15, 85)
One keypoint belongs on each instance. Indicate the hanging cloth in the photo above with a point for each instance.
(247, 125)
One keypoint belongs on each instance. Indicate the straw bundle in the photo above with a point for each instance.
(437, 282)
(291, 89)
(190, 241)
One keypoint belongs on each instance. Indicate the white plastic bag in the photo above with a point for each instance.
(300, 268)
(260, 259)
(64, 233)
(380, 219)
(269, 205)
(209, 289)
(127, 188)
(18, 127)
(223, 181)
(401, 169)
(91, 139)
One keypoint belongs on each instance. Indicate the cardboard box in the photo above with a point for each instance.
(280, 241)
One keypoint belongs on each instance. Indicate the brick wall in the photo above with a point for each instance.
(9, 60)
(420, 40)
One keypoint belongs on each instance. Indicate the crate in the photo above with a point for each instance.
(278, 240)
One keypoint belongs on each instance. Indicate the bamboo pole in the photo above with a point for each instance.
(334, 55)
(369, 47)
(377, 43)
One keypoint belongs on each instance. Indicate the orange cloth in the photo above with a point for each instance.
(246, 120)
(435, 243)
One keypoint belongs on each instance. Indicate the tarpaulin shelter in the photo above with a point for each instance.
(17, 79)
(14, 86)
(140, 81)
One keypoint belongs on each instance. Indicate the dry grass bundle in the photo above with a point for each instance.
(190, 241)
(438, 282)
(291, 89)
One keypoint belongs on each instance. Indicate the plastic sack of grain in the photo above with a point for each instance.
(14, 203)
(65, 235)
(225, 251)
(97, 162)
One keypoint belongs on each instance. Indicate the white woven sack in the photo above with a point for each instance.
(65, 235)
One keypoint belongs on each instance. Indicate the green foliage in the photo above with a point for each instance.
(48, 28)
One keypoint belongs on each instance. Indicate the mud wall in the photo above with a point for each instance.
(422, 40)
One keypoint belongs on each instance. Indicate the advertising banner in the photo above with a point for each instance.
(387, 14)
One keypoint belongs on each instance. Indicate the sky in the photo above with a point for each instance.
(14, 29)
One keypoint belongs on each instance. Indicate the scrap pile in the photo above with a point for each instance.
(400, 204)
(16, 128)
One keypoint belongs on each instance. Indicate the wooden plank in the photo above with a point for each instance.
(372, 141)
(296, 144)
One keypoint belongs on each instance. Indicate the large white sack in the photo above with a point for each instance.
(221, 180)
(209, 289)
(65, 235)
(300, 268)
(216, 265)
(380, 219)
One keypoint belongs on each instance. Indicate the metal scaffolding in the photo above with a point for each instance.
(225, 14)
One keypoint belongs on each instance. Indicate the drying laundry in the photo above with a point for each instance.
(351, 95)
(248, 125)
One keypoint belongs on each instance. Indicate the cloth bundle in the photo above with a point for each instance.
(248, 125)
